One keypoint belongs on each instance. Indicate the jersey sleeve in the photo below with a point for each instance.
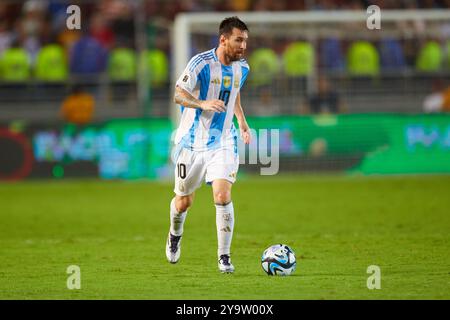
(245, 70)
(189, 77)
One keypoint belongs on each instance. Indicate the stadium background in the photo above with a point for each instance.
(123, 58)
(387, 114)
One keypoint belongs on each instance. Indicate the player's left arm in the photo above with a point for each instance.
(242, 122)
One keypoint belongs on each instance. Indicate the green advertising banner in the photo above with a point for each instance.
(121, 149)
(383, 143)
(140, 148)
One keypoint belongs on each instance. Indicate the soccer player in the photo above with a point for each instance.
(206, 139)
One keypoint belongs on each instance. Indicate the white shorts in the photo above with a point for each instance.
(194, 166)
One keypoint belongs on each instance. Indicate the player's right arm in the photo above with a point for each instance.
(187, 100)
(195, 72)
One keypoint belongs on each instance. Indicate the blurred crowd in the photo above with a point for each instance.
(33, 23)
(34, 36)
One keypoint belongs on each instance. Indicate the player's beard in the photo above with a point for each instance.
(235, 57)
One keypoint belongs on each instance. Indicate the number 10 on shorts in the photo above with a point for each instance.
(181, 169)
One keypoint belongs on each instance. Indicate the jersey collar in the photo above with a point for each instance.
(214, 54)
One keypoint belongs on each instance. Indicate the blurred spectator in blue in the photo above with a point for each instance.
(331, 55)
(58, 15)
(391, 54)
(88, 56)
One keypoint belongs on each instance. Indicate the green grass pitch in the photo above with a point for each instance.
(338, 226)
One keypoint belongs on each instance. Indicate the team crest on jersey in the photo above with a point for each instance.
(236, 83)
(227, 81)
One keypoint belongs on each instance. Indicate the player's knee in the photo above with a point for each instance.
(222, 197)
(183, 203)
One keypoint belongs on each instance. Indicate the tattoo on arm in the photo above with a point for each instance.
(186, 99)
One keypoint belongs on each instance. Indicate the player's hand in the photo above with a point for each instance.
(245, 133)
(213, 105)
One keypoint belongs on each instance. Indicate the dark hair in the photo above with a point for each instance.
(227, 25)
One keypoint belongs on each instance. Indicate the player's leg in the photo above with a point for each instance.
(224, 222)
(189, 173)
(178, 211)
(221, 171)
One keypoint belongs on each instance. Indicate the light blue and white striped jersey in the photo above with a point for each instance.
(204, 130)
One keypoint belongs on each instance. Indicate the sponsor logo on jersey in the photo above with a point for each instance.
(215, 81)
(185, 79)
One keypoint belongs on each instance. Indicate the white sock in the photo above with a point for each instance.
(225, 226)
(176, 219)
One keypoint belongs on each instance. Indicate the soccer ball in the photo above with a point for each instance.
(278, 260)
